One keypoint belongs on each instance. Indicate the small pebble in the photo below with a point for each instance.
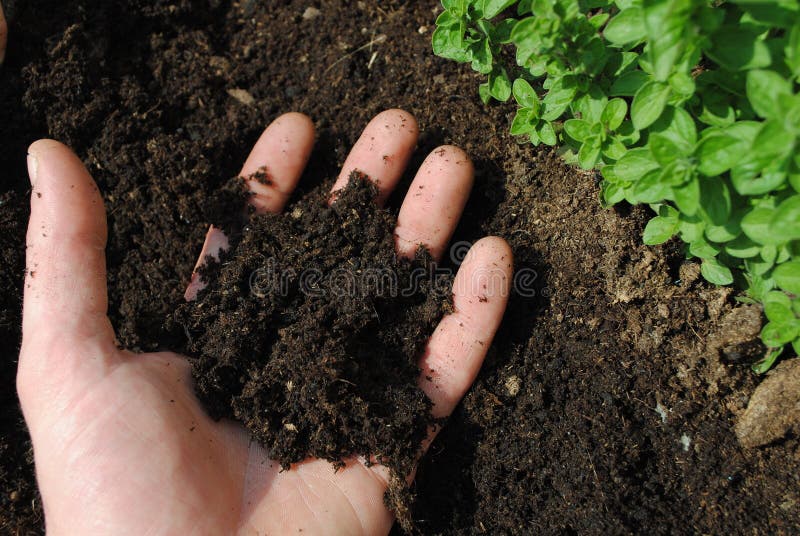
(686, 442)
(513, 385)
(311, 13)
(243, 96)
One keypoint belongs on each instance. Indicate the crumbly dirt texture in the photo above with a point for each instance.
(608, 400)
(310, 329)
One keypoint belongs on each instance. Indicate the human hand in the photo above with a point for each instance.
(121, 444)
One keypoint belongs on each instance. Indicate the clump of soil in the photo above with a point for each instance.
(310, 329)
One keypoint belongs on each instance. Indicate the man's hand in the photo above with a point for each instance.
(121, 444)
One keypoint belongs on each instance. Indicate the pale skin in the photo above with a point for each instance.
(121, 444)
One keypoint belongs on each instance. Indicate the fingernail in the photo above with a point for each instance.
(33, 168)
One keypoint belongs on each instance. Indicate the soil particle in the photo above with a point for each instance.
(774, 408)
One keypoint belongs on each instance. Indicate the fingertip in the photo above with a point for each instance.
(282, 151)
(455, 155)
(435, 201)
(496, 250)
(382, 151)
(397, 119)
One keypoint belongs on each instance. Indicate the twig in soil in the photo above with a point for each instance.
(379, 39)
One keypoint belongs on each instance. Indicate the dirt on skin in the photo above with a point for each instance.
(607, 403)
(310, 328)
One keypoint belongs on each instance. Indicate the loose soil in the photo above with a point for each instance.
(606, 404)
(310, 329)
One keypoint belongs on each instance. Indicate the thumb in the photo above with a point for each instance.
(65, 285)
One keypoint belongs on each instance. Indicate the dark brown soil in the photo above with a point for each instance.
(310, 329)
(606, 404)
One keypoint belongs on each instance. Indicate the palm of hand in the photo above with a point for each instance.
(121, 443)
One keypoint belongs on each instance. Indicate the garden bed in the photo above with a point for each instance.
(606, 404)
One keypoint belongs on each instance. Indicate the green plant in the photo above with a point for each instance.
(689, 106)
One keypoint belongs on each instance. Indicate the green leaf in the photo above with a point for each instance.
(703, 250)
(594, 56)
(502, 32)
(481, 53)
(666, 24)
(614, 113)
(590, 105)
(745, 179)
(628, 84)
(612, 194)
(778, 307)
(738, 47)
(456, 7)
(682, 84)
(524, 94)
(448, 42)
(559, 97)
(769, 253)
(718, 153)
(785, 222)
(524, 122)
(649, 103)
(756, 224)
(652, 188)
(783, 254)
(723, 233)
(546, 133)
(614, 149)
(577, 129)
(691, 228)
(715, 200)
(634, 165)
(483, 93)
(687, 196)
(492, 8)
(717, 110)
(589, 153)
(626, 27)
(763, 89)
(597, 21)
(659, 230)
(678, 126)
(792, 49)
(775, 335)
(757, 266)
(534, 137)
(664, 150)
(742, 248)
(716, 273)
(787, 276)
(765, 364)
(499, 84)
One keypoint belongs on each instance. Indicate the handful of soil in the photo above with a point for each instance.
(310, 328)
